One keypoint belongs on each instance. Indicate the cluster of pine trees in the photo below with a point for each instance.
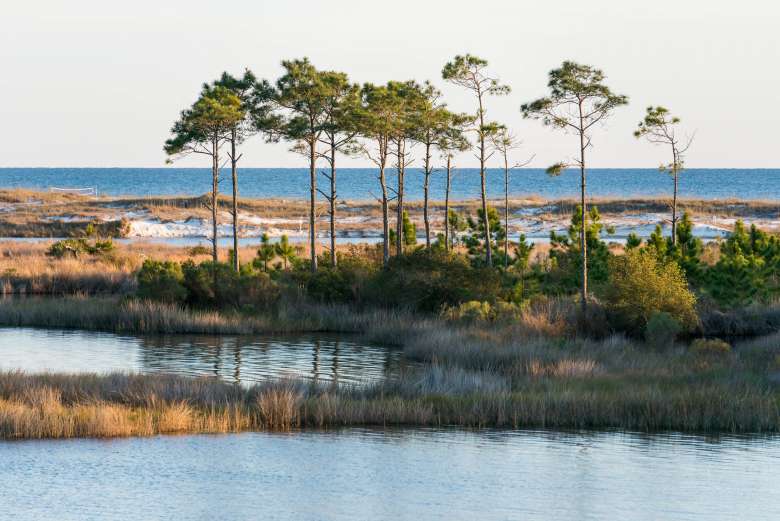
(324, 115)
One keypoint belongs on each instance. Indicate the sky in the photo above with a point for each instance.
(98, 84)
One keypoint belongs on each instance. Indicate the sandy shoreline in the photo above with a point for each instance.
(39, 214)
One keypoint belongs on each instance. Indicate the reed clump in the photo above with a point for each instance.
(500, 383)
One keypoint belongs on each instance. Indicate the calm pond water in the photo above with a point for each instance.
(419, 475)
(232, 358)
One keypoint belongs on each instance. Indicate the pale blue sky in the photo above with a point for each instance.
(96, 83)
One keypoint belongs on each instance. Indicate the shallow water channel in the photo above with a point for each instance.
(419, 474)
(393, 475)
(244, 359)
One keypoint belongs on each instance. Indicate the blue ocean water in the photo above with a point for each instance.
(362, 183)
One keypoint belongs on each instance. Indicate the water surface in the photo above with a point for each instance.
(361, 183)
(244, 359)
(403, 475)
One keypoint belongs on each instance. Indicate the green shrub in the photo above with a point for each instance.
(507, 312)
(408, 229)
(746, 271)
(640, 286)
(565, 273)
(346, 283)
(162, 281)
(474, 311)
(217, 285)
(428, 280)
(661, 330)
(76, 247)
(469, 312)
(710, 347)
(197, 250)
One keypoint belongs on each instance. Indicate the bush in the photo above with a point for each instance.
(661, 330)
(469, 312)
(206, 285)
(161, 281)
(428, 280)
(217, 285)
(641, 285)
(754, 320)
(344, 284)
(710, 347)
(76, 247)
(594, 323)
(198, 249)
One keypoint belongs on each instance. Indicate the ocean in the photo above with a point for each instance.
(362, 183)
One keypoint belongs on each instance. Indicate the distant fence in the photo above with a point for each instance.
(90, 190)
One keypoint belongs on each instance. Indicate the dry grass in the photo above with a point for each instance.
(476, 376)
(25, 269)
(567, 394)
(37, 214)
(147, 317)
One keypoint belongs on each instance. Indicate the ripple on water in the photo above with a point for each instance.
(418, 474)
(325, 358)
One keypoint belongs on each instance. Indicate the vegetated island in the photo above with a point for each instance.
(676, 337)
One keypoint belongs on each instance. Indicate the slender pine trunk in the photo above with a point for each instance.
(583, 238)
(482, 160)
(506, 212)
(313, 201)
(234, 173)
(333, 258)
(674, 196)
(425, 195)
(447, 205)
(385, 216)
(399, 224)
(214, 196)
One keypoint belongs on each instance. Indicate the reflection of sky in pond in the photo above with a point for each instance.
(244, 359)
(394, 475)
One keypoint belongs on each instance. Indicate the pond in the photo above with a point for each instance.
(394, 475)
(325, 358)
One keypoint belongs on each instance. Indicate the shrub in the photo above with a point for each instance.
(661, 330)
(197, 250)
(474, 311)
(593, 323)
(428, 280)
(76, 247)
(565, 274)
(753, 320)
(346, 283)
(162, 281)
(469, 312)
(217, 285)
(507, 312)
(710, 347)
(641, 285)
